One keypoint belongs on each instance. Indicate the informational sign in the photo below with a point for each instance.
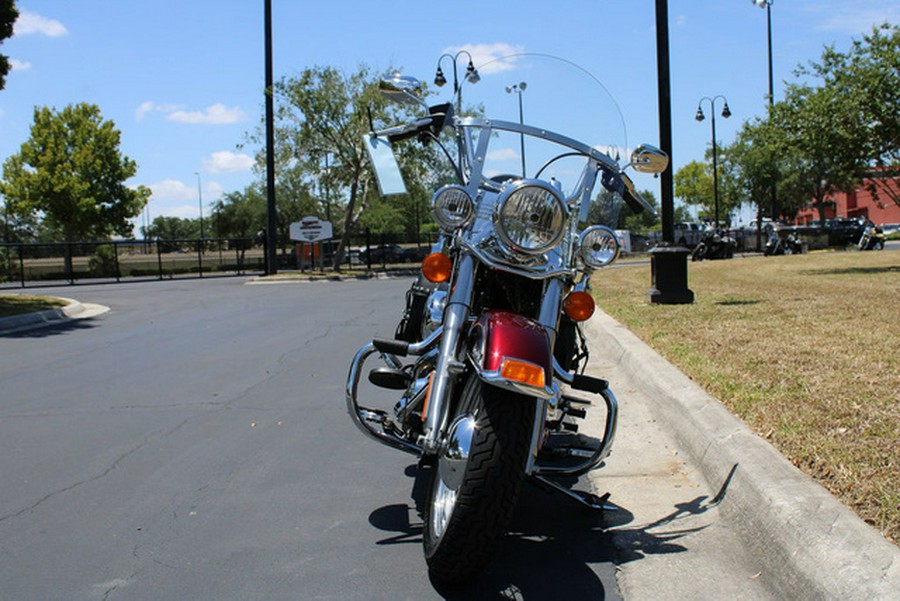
(311, 229)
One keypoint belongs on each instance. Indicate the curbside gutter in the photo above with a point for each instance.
(812, 545)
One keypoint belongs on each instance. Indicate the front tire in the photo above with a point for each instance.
(471, 502)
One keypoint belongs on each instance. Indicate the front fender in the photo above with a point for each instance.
(513, 352)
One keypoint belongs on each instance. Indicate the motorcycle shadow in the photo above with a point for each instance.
(553, 545)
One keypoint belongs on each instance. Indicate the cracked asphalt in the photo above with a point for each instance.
(193, 443)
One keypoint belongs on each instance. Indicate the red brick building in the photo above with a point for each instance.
(858, 203)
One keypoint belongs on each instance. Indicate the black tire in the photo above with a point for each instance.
(460, 541)
(699, 252)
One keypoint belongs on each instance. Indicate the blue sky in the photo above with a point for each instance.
(183, 79)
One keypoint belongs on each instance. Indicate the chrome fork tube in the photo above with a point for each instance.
(448, 366)
(549, 314)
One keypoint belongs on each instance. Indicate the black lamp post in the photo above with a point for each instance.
(767, 4)
(518, 88)
(200, 202)
(471, 74)
(726, 112)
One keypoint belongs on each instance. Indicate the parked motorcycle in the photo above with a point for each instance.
(489, 358)
(872, 238)
(716, 244)
(777, 245)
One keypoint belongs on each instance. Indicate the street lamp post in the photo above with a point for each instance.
(767, 4)
(200, 203)
(518, 88)
(726, 112)
(471, 75)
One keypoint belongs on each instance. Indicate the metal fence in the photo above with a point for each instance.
(97, 262)
(69, 263)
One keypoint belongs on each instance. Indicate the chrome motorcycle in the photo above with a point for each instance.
(490, 376)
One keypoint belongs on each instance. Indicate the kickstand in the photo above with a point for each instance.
(585, 498)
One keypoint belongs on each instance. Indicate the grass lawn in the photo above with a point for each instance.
(16, 304)
(804, 348)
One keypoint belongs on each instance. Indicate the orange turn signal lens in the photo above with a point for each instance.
(522, 371)
(579, 306)
(437, 267)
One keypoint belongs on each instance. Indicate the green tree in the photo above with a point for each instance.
(323, 110)
(8, 16)
(694, 185)
(866, 79)
(818, 143)
(71, 172)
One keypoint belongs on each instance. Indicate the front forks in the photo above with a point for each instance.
(448, 365)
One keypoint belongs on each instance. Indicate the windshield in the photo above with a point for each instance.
(547, 92)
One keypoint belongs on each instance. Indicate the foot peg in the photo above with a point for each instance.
(387, 377)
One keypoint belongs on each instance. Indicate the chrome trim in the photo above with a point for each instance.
(495, 379)
(361, 415)
(455, 316)
(602, 452)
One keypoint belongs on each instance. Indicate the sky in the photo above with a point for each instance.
(183, 80)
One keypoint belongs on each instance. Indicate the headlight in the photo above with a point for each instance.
(452, 207)
(531, 217)
(599, 246)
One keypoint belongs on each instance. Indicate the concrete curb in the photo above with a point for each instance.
(813, 546)
(28, 321)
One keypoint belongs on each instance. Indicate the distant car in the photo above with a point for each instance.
(689, 234)
(414, 254)
(383, 253)
(843, 231)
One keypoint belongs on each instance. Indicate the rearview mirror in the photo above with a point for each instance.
(649, 159)
(402, 89)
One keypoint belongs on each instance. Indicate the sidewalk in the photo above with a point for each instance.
(722, 514)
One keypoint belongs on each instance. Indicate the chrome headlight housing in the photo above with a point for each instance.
(530, 217)
(599, 246)
(452, 207)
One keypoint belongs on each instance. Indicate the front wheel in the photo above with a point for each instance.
(476, 480)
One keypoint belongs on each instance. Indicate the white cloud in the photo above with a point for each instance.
(855, 17)
(485, 56)
(172, 189)
(227, 161)
(29, 22)
(18, 65)
(215, 114)
(502, 154)
(150, 106)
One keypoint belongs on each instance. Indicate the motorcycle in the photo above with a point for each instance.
(489, 357)
(715, 244)
(872, 238)
(777, 245)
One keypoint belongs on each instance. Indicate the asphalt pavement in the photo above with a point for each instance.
(706, 510)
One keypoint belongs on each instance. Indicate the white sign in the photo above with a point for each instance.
(311, 229)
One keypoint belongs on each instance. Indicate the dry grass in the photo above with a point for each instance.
(16, 304)
(804, 348)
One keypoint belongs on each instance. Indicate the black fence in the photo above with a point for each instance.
(61, 263)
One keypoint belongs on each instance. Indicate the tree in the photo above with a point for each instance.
(818, 144)
(694, 185)
(867, 80)
(8, 16)
(71, 172)
(324, 110)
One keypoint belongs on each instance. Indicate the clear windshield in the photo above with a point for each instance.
(552, 94)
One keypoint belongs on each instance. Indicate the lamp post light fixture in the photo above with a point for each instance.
(471, 75)
(518, 88)
(726, 113)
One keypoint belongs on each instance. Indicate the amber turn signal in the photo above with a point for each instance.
(522, 371)
(437, 267)
(579, 306)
